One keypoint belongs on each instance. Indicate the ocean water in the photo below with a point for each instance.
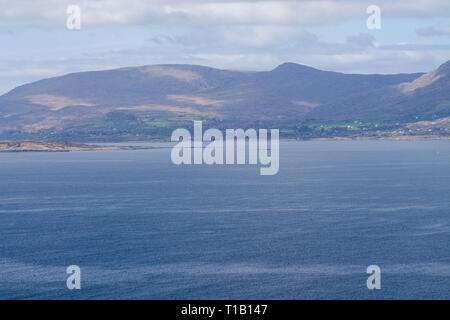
(140, 227)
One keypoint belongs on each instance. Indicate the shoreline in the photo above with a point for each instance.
(52, 146)
(56, 146)
(393, 138)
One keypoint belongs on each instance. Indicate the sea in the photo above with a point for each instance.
(140, 227)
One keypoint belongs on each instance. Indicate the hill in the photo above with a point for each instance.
(150, 101)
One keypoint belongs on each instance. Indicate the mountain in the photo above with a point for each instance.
(150, 101)
(425, 97)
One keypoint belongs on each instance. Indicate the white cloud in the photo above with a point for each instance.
(434, 31)
(250, 35)
(47, 13)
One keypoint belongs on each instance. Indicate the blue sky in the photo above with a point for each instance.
(249, 35)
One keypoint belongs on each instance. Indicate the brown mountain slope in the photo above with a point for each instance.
(151, 100)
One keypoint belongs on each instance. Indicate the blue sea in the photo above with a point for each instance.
(140, 227)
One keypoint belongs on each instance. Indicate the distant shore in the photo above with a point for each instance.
(54, 146)
(387, 138)
(50, 146)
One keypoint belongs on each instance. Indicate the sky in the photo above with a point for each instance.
(414, 35)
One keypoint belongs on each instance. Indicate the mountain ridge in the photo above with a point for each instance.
(149, 101)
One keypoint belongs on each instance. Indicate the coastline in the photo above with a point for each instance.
(51, 146)
(55, 146)
(375, 138)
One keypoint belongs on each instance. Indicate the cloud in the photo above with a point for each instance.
(434, 31)
(360, 53)
(52, 13)
(267, 12)
(361, 40)
(243, 34)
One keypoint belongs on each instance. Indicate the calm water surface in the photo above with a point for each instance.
(142, 228)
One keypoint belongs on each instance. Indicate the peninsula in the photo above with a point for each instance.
(50, 146)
